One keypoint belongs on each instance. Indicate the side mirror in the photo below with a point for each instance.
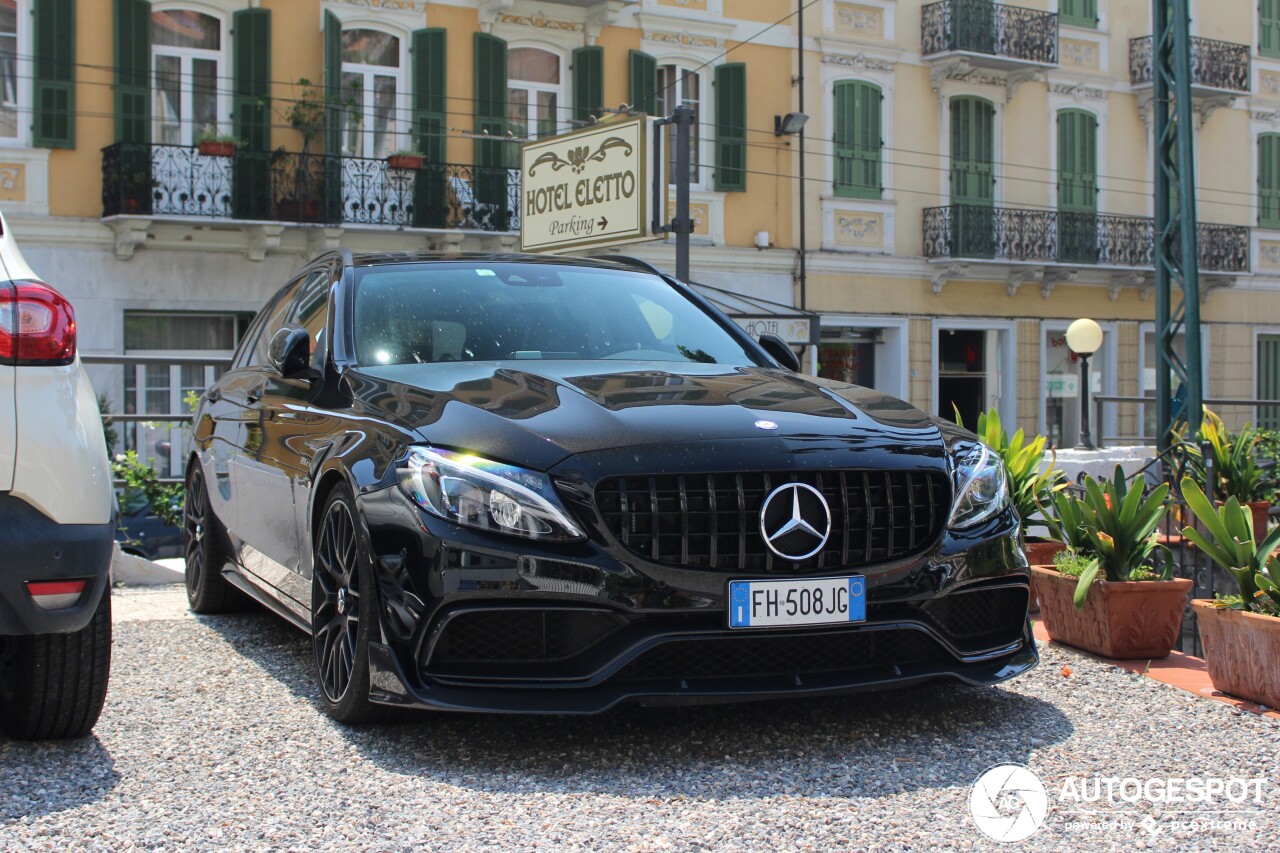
(290, 352)
(780, 352)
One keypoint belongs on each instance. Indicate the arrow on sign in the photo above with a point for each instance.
(604, 223)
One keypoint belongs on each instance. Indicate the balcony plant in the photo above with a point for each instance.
(212, 144)
(407, 159)
(1121, 604)
(1241, 633)
(1238, 473)
(1032, 482)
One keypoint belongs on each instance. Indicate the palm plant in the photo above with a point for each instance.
(1233, 457)
(1122, 530)
(1064, 517)
(1230, 543)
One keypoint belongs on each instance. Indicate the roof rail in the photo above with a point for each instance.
(631, 262)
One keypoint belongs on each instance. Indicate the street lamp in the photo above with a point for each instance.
(1084, 337)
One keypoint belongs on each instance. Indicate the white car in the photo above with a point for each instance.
(56, 514)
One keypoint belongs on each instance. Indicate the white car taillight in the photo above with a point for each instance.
(37, 325)
(54, 595)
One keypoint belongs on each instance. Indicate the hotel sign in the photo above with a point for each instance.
(591, 187)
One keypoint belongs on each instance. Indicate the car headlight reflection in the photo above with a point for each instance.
(981, 487)
(477, 492)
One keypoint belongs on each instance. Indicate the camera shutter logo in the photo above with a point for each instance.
(1008, 802)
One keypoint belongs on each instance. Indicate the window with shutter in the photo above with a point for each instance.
(1269, 380)
(588, 83)
(1077, 186)
(430, 69)
(972, 177)
(133, 70)
(1269, 28)
(1078, 13)
(1269, 180)
(493, 156)
(731, 127)
(858, 106)
(329, 193)
(644, 82)
(54, 119)
(251, 113)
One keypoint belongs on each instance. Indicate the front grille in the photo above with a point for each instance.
(785, 656)
(713, 520)
(981, 618)
(520, 636)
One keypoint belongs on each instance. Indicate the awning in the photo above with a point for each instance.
(762, 316)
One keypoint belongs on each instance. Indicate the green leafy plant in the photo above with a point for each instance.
(1234, 460)
(1031, 482)
(1123, 532)
(1227, 539)
(166, 499)
(214, 136)
(306, 113)
(1072, 564)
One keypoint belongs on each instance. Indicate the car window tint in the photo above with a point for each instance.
(313, 311)
(446, 311)
(276, 317)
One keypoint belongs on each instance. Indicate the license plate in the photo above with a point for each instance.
(807, 601)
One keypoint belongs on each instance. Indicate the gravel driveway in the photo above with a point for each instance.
(212, 739)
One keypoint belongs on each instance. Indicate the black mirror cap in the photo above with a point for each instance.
(780, 352)
(290, 352)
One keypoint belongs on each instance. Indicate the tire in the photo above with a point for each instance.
(52, 686)
(205, 546)
(341, 628)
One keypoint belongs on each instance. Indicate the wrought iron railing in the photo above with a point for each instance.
(980, 26)
(277, 186)
(1051, 236)
(1214, 64)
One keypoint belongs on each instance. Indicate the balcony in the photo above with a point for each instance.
(974, 233)
(989, 34)
(1217, 67)
(147, 180)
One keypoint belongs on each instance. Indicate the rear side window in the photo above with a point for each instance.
(438, 312)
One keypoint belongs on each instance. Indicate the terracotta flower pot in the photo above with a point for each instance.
(404, 161)
(210, 148)
(1261, 515)
(1241, 651)
(1041, 552)
(1132, 619)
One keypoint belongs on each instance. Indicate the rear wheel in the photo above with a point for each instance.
(343, 611)
(53, 685)
(206, 549)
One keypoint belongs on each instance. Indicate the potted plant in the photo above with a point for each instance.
(406, 159)
(1237, 469)
(213, 144)
(1240, 634)
(1031, 481)
(1119, 605)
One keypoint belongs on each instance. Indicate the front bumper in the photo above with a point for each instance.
(36, 548)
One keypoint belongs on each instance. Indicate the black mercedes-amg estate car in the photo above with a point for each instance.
(534, 484)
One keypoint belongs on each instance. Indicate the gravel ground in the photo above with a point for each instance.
(212, 739)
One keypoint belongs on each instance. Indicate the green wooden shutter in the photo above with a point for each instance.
(1077, 161)
(588, 83)
(857, 140)
(972, 151)
(1269, 28)
(251, 113)
(1269, 380)
(54, 121)
(331, 191)
(430, 68)
(644, 82)
(1079, 13)
(731, 127)
(1269, 180)
(133, 71)
(493, 156)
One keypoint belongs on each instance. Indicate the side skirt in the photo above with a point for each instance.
(267, 600)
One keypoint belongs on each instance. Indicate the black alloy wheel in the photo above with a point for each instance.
(343, 611)
(204, 544)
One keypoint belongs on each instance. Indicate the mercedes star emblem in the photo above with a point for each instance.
(766, 425)
(795, 521)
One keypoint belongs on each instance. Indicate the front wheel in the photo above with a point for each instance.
(343, 610)
(53, 685)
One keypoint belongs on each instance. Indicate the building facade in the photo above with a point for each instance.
(977, 175)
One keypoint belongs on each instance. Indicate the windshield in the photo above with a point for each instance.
(445, 311)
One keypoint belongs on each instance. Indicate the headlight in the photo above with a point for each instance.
(469, 490)
(981, 489)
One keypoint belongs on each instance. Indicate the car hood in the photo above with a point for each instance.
(536, 413)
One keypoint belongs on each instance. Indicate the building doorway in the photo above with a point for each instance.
(974, 371)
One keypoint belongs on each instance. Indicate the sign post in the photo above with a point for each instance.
(589, 188)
